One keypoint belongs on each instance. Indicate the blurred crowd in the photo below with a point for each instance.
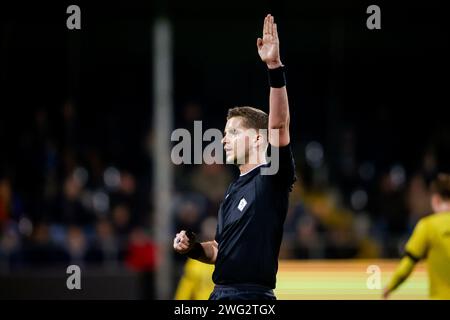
(62, 201)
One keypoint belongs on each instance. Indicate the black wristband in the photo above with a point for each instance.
(277, 77)
(196, 251)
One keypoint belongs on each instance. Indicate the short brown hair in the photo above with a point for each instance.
(253, 118)
(441, 185)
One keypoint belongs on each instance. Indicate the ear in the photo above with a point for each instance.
(435, 202)
(259, 140)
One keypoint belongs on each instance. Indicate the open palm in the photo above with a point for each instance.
(268, 46)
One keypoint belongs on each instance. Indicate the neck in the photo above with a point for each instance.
(247, 167)
(444, 207)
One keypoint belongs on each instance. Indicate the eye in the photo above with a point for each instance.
(230, 131)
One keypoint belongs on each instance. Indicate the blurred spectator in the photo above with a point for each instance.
(39, 250)
(125, 196)
(211, 180)
(392, 211)
(121, 221)
(417, 200)
(341, 244)
(105, 249)
(190, 210)
(11, 203)
(308, 242)
(76, 245)
(367, 245)
(141, 257)
(141, 251)
(5, 201)
(72, 209)
(10, 247)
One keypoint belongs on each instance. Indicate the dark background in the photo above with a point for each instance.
(388, 85)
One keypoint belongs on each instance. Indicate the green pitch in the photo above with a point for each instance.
(344, 280)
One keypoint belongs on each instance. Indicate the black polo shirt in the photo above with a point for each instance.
(250, 225)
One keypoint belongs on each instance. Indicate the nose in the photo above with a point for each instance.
(224, 140)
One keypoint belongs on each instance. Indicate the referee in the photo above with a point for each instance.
(251, 217)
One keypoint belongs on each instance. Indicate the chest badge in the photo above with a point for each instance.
(242, 204)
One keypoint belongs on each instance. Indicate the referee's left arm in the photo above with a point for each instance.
(268, 49)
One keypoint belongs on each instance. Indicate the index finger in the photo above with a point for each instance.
(265, 27)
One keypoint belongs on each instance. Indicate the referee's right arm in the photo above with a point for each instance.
(205, 252)
(269, 52)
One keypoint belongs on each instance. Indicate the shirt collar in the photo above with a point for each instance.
(243, 174)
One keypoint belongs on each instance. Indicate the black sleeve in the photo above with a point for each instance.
(285, 176)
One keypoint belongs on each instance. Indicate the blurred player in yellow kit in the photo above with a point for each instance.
(430, 241)
(196, 283)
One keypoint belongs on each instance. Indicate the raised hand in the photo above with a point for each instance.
(269, 45)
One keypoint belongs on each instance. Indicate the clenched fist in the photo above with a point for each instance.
(184, 242)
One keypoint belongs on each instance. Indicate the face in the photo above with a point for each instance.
(239, 142)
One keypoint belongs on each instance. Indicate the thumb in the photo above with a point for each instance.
(259, 43)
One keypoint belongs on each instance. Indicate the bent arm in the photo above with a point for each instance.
(415, 250)
(208, 252)
(185, 243)
(402, 273)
